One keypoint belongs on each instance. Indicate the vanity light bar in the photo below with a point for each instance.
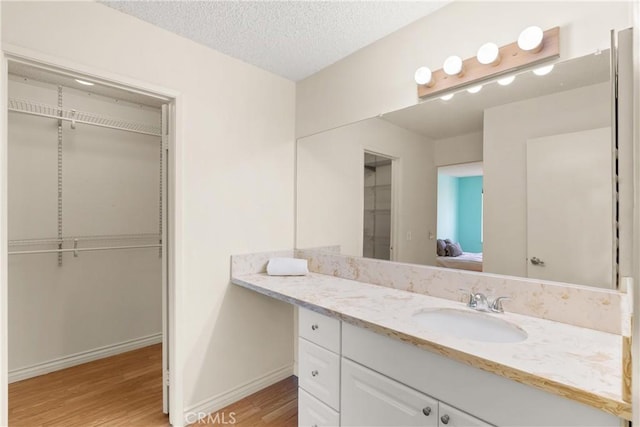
(533, 47)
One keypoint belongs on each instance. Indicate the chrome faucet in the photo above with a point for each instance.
(479, 301)
(496, 305)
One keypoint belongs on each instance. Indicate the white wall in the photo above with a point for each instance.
(379, 78)
(506, 131)
(237, 179)
(458, 149)
(111, 184)
(447, 207)
(330, 188)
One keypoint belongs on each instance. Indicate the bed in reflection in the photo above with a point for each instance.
(467, 261)
(451, 255)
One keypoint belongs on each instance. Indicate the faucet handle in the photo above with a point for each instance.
(496, 305)
(472, 300)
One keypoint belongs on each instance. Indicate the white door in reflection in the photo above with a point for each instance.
(376, 242)
(569, 208)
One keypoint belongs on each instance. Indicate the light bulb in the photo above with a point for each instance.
(424, 76)
(447, 97)
(506, 81)
(488, 54)
(453, 66)
(83, 82)
(530, 39)
(475, 89)
(543, 71)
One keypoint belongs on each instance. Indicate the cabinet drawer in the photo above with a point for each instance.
(452, 417)
(319, 329)
(371, 399)
(319, 372)
(313, 413)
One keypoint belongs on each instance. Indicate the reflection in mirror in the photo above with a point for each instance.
(542, 206)
(460, 201)
(377, 206)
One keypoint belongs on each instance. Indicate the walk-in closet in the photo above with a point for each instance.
(87, 214)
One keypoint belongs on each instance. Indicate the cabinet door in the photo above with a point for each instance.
(371, 399)
(319, 372)
(313, 413)
(452, 417)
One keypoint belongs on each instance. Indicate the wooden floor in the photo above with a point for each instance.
(274, 406)
(126, 390)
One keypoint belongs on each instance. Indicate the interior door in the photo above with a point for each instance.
(570, 208)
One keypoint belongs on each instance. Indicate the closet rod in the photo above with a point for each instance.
(51, 116)
(104, 237)
(105, 248)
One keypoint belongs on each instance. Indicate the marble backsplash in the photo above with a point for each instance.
(594, 308)
(256, 262)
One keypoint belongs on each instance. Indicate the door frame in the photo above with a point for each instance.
(438, 167)
(395, 188)
(173, 244)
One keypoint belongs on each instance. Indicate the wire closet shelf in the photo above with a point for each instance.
(137, 241)
(74, 116)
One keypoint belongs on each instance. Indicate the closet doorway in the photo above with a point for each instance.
(88, 214)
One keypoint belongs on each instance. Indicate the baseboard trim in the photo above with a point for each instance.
(207, 406)
(82, 357)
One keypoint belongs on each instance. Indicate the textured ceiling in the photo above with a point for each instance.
(293, 39)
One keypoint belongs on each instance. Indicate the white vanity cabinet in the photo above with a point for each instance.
(319, 329)
(319, 343)
(312, 412)
(371, 399)
(451, 417)
(319, 372)
(351, 376)
(466, 395)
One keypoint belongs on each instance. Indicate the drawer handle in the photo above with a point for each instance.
(444, 419)
(314, 327)
(314, 373)
(427, 411)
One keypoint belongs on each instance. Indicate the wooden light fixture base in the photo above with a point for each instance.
(511, 58)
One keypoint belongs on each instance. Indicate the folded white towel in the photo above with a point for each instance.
(287, 267)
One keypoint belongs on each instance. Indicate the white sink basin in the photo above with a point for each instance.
(470, 325)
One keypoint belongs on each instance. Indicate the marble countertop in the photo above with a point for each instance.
(578, 363)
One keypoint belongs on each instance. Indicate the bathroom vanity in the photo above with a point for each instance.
(391, 343)
(367, 357)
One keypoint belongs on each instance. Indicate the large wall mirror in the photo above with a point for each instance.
(515, 178)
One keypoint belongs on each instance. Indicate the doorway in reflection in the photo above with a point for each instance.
(376, 242)
(459, 217)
